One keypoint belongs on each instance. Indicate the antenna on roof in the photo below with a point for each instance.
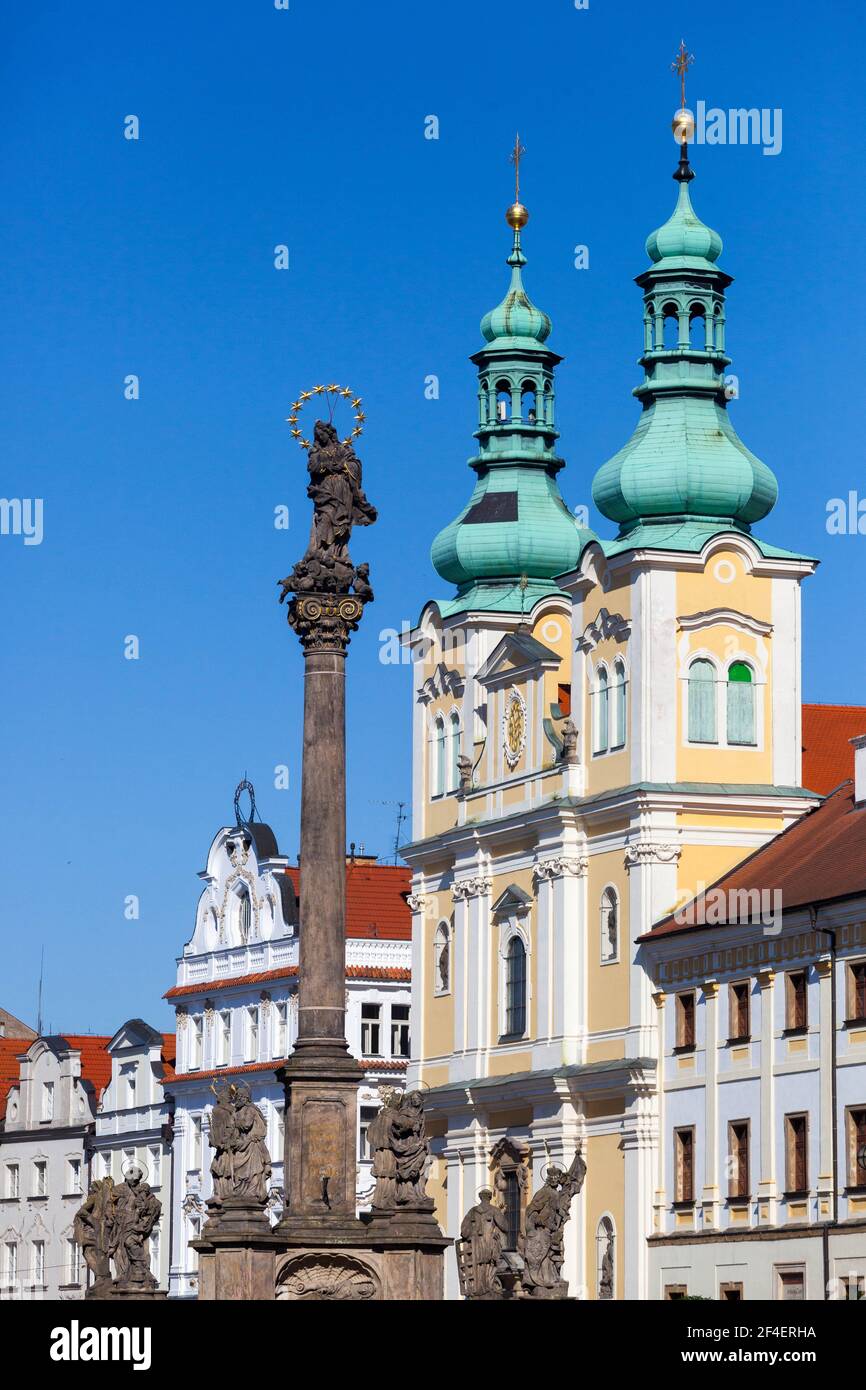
(401, 816)
(39, 1002)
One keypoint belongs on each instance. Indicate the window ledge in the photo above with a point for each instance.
(10, 1199)
(686, 1205)
(854, 1023)
(800, 1032)
(798, 1195)
(741, 1041)
(682, 1048)
(857, 1190)
(38, 1197)
(512, 1037)
(738, 1201)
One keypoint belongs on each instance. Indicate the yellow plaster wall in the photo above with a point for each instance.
(522, 878)
(604, 1194)
(607, 985)
(438, 1026)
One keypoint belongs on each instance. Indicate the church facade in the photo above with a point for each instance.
(602, 726)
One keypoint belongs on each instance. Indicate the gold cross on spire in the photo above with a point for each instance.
(515, 157)
(681, 64)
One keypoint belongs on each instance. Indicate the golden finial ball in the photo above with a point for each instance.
(517, 216)
(683, 126)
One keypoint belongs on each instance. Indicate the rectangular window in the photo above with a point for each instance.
(195, 1143)
(857, 1147)
(253, 1034)
(11, 1262)
(368, 1114)
(853, 1286)
(13, 1184)
(225, 1039)
(154, 1254)
(194, 1233)
(684, 1154)
(513, 1207)
(675, 1292)
(73, 1262)
(47, 1101)
(130, 1088)
(281, 1038)
(155, 1178)
(197, 1043)
(39, 1262)
(797, 1153)
(280, 1111)
(74, 1175)
(792, 1284)
(857, 992)
(796, 1001)
(738, 1011)
(40, 1178)
(370, 1029)
(738, 1159)
(399, 1030)
(731, 1293)
(686, 1020)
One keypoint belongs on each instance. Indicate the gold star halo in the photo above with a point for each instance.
(333, 390)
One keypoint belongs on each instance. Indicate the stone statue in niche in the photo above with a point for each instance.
(546, 1217)
(479, 1249)
(241, 1164)
(605, 1283)
(339, 503)
(400, 1152)
(569, 742)
(114, 1223)
(464, 772)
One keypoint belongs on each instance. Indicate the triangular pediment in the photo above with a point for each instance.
(518, 653)
(513, 900)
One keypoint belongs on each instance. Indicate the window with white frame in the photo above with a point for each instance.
(225, 1052)
(47, 1101)
(195, 1144)
(194, 1228)
(252, 1051)
(38, 1269)
(13, 1181)
(73, 1261)
(74, 1175)
(130, 1078)
(618, 712)
(281, 1017)
(11, 1263)
(442, 959)
(366, 1116)
(244, 916)
(371, 1029)
(609, 926)
(155, 1153)
(515, 987)
(601, 721)
(453, 751)
(438, 757)
(399, 1030)
(731, 722)
(40, 1178)
(197, 1042)
(741, 704)
(154, 1254)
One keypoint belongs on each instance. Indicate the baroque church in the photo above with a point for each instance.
(602, 725)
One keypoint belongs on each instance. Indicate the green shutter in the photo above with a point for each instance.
(702, 702)
(741, 704)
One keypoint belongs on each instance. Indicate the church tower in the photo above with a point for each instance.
(600, 727)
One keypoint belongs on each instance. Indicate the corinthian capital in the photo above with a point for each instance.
(560, 866)
(650, 852)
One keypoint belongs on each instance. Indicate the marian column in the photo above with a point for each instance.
(329, 1252)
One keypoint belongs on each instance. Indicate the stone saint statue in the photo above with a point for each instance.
(241, 1164)
(605, 1283)
(136, 1212)
(546, 1216)
(479, 1249)
(569, 742)
(92, 1229)
(114, 1223)
(339, 504)
(400, 1151)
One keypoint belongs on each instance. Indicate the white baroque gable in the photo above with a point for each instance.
(233, 870)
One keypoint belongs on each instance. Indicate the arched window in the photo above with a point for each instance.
(602, 711)
(515, 988)
(619, 709)
(671, 328)
(609, 925)
(438, 750)
(454, 752)
(702, 702)
(442, 959)
(741, 704)
(698, 330)
(528, 411)
(605, 1239)
(244, 916)
(503, 400)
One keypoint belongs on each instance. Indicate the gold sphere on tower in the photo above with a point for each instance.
(517, 216)
(683, 126)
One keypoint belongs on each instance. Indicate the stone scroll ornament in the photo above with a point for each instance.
(113, 1225)
(329, 589)
(546, 1218)
(241, 1164)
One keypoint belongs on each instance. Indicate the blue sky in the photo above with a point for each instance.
(261, 127)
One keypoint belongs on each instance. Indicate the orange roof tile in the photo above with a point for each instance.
(10, 1050)
(95, 1059)
(828, 757)
(168, 1055)
(375, 900)
(287, 972)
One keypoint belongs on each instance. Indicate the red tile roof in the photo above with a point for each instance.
(168, 1055)
(821, 857)
(10, 1050)
(287, 972)
(375, 900)
(373, 1064)
(828, 757)
(95, 1059)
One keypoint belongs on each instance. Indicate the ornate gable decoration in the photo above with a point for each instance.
(517, 655)
(514, 727)
(605, 625)
(442, 682)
